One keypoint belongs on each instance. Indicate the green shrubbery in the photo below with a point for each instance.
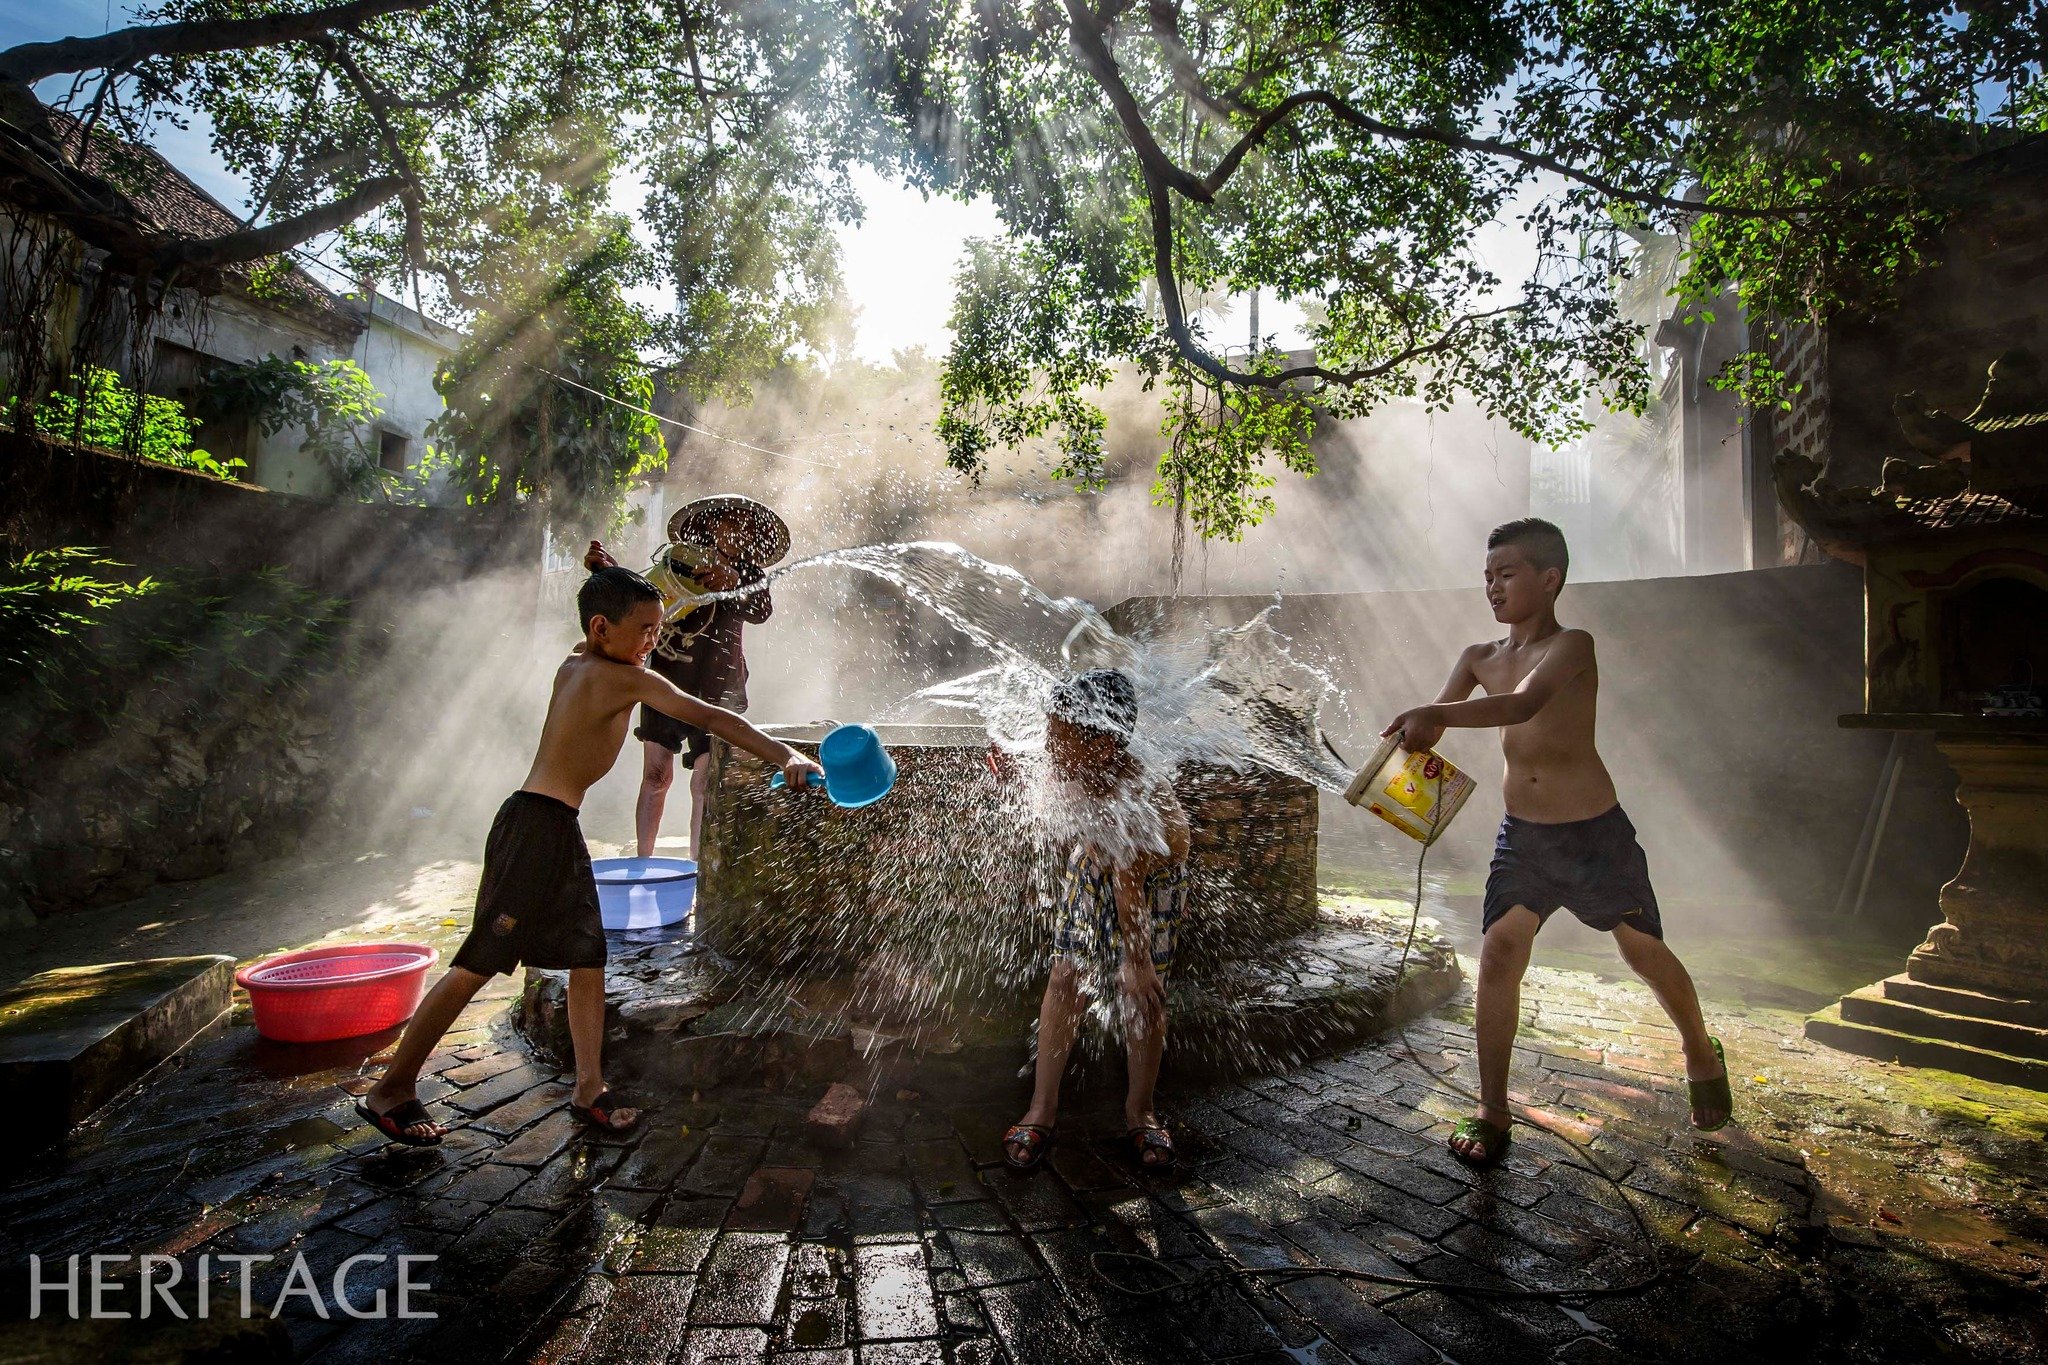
(107, 413)
(81, 634)
(333, 401)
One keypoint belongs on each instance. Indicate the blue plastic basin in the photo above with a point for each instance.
(644, 893)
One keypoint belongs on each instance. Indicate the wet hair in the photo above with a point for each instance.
(1103, 700)
(612, 593)
(1541, 541)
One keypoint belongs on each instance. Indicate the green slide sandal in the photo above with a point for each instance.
(1491, 1137)
(1712, 1094)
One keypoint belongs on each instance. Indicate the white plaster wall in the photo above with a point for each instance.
(236, 332)
(400, 354)
(395, 349)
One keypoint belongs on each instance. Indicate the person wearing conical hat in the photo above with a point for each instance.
(722, 543)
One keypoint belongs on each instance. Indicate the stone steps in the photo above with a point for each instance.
(1976, 1004)
(1911, 1049)
(73, 1038)
(1902, 1013)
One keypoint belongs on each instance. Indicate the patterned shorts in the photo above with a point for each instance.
(1088, 929)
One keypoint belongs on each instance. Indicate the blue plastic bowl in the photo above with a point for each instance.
(644, 893)
(858, 770)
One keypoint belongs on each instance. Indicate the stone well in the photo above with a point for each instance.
(906, 944)
(942, 877)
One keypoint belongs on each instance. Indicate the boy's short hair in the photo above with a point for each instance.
(1104, 700)
(612, 593)
(1541, 541)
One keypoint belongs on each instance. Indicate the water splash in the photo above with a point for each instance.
(1231, 697)
(1237, 698)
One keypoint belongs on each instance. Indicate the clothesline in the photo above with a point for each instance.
(676, 421)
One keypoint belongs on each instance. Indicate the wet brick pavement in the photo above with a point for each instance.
(1833, 1225)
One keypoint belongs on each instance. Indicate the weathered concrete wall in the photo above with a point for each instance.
(1718, 703)
(401, 351)
(160, 517)
(232, 750)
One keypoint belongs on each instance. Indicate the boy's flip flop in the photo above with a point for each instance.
(1712, 1093)
(1151, 1138)
(393, 1122)
(598, 1113)
(1036, 1140)
(1492, 1139)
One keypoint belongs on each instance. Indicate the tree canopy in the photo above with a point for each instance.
(1351, 156)
(473, 147)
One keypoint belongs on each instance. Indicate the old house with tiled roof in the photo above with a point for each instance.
(264, 308)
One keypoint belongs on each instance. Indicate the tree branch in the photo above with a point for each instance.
(104, 218)
(1349, 113)
(1186, 73)
(1086, 35)
(289, 153)
(31, 62)
(375, 101)
(1191, 349)
(1162, 176)
(250, 244)
(1090, 42)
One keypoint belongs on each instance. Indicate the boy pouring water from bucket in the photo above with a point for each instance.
(715, 544)
(537, 903)
(1565, 841)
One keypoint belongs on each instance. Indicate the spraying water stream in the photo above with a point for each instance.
(935, 909)
(1232, 697)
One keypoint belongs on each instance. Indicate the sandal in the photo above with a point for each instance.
(1492, 1138)
(598, 1113)
(1712, 1093)
(1149, 1139)
(1035, 1138)
(393, 1122)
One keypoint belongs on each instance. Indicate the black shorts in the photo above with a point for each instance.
(537, 904)
(674, 736)
(1594, 868)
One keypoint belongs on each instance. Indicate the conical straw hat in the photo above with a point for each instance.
(767, 530)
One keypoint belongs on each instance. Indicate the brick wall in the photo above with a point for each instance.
(1255, 843)
(945, 880)
(1800, 351)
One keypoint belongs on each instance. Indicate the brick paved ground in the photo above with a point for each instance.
(1846, 1220)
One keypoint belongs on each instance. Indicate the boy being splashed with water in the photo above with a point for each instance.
(1565, 841)
(1124, 891)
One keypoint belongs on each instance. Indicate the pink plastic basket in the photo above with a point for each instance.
(320, 994)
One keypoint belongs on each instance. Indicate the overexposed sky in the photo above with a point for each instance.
(900, 260)
(899, 263)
